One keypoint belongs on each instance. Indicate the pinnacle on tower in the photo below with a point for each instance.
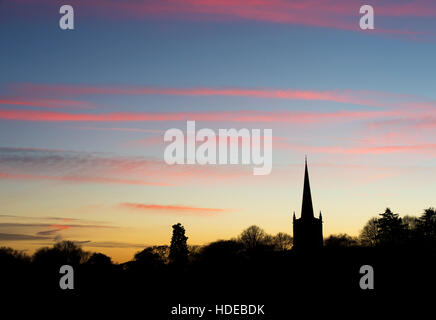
(307, 208)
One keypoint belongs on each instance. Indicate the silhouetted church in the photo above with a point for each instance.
(307, 229)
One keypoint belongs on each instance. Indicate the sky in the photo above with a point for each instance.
(83, 113)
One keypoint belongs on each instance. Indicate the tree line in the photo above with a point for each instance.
(386, 230)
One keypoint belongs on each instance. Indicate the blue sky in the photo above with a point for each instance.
(361, 104)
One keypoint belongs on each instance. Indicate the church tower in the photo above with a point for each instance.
(307, 229)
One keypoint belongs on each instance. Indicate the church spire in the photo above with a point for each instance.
(307, 208)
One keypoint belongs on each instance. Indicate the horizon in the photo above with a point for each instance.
(127, 251)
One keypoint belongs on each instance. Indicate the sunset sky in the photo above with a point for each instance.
(83, 113)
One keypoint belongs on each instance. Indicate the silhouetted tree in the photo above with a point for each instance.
(341, 240)
(411, 229)
(427, 223)
(48, 260)
(96, 272)
(253, 237)
(15, 269)
(221, 252)
(10, 256)
(178, 248)
(163, 252)
(282, 241)
(149, 259)
(71, 252)
(99, 259)
(369, 234)
(410, 222)
(64, 252)
(194, 249)
(390, 228)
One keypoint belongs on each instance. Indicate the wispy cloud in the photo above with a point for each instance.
(75, 167)
(336, 14)
(138, 130)
(410, 149)
(172, 209)
(39, 218)
(31, 228)
(359, 97)
(55, 226)
(361, 149)
(417, 122)
(243, 116)
(21, 237)
(47, 103)
(42, 231)
(79, 179)
(106, 168)
(113, 244)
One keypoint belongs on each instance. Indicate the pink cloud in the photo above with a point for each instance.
(417, 122)
(377, 144)
(424, 148)
(337, 14)
(78, 179)
(82, 167)
(362, 97)
(159, 140)
(60, 227)
(361, 150)
(117, 129)
(48, 103)
(334, 14)
(235, 116)
(172, 209)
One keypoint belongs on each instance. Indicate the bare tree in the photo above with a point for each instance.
(341, 240)
(369, 233)
(410, 222)
(163, 251)
(283, 241)
(252, 237)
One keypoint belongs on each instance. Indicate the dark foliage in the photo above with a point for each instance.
(178, 249)
(254, 267)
